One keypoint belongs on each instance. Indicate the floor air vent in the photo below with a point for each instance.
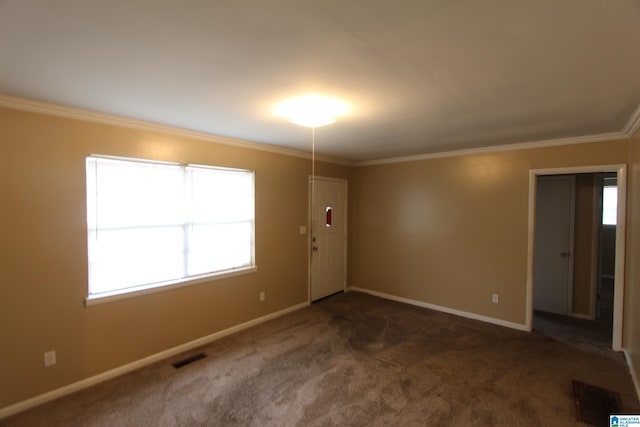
(184, 362)
(595, 404)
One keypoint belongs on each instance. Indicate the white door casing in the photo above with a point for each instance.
(328, 272)
(554, 236)
(620, 257)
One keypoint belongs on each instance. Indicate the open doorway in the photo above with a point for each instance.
(576, 254)
(607, 226)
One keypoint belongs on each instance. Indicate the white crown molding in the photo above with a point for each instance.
(631, 127)
(611, 136)
(629, 130)
(92, 116)
(633, 124)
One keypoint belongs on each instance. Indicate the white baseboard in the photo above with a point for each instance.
(634, 377)
(129, 367)
(474, 316)
(469, 315)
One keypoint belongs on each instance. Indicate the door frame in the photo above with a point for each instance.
(619, 279)
(310, 227)
(572, 220)
(598, 195)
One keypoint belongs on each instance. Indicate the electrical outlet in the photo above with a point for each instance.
(495, 299)
(261, 296)
(49, 358)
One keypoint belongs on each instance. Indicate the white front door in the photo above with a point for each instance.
(328, 237)
(553, 255)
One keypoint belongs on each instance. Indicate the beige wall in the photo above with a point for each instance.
(632, 292)
(453, 231)
(43, 265)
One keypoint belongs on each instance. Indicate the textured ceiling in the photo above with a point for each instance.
(422, 76)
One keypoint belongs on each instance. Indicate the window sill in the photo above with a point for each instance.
(152, 289)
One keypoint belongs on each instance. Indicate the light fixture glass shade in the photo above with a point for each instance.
(312, 110)
(312, 122)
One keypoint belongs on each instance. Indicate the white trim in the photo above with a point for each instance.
(129, 367)
(620, 254)
(329, 178)
(572, 245)
(610, 136)
(633, 124)
(108, 119)
(630, 128)
(632, 369)
(627, 132)
(618, 303)
(531, 216)
(579, 169)
(467, 314)
(121, 294)
(595, 249)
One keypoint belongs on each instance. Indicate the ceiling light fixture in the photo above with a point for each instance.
(312, 110)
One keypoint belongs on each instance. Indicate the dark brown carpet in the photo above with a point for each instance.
(353, 359)
(589, 335)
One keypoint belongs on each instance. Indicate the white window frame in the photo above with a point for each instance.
(147, 288)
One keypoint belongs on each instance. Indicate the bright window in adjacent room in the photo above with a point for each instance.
(609, 204)
(154, 224)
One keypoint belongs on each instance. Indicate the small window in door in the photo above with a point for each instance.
(609, 204)
(328, 216)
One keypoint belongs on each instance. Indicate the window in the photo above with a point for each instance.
(609, 204)
(328, 210)
(153, 224)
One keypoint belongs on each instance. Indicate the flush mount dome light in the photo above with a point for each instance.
(312, 110)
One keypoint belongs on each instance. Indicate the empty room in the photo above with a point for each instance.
(319, 212)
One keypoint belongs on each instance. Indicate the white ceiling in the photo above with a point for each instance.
(422, 76)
